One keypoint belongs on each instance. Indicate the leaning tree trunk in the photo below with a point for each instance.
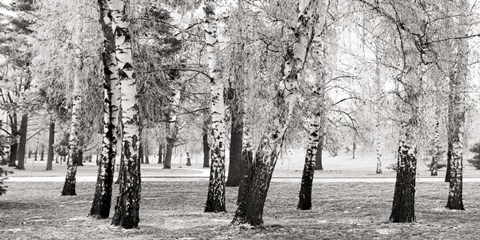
(23, 142)
(51, 141)
(457, 121)
(128, 201)
(305, 196)
(316, 122)
(102, 199)
(216, 187)
(250, 209)
(73, 142)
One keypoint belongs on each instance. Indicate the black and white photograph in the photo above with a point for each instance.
(239, 119)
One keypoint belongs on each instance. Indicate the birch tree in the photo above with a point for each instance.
(315, 120)
(128, 202)
(458, 78)
(73, 148)
(216, 186)
(103, 191)
(250, 209)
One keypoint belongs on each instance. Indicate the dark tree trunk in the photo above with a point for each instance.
(167, 164)
(403, 209)
(140, 153)
(449, 157)
(29, 153)
(14, 146)
(23, 142)
(147, 160)
(236, 142)
(51, 141)
(189, 160)
(206, 150)
(160, 153)
(80, 157)
(42, 153)
(318, 157)
(35, 155)
(250, 207)
(246, 163)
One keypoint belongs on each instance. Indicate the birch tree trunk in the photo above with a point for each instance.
(216, 187)
(73, 141)
(128, 201)
(315, 123)
(437, 154)
(457, 120)
(112, 96)
(250, 210)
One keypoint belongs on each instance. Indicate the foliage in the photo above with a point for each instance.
(475, 161)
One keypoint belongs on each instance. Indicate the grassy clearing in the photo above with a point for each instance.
(174, 210)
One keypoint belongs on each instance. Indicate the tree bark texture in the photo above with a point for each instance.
(305, 196)
(51, 141)
(128, 202)
(23, 142)
(216, 187)
(112, 97)
(250, 209)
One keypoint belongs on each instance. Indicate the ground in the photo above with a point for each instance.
(172, 208)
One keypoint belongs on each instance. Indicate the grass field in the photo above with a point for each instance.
(174, 210)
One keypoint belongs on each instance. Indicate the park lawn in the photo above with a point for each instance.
(174, 210)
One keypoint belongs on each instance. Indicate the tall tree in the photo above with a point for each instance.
(315, 129)
(458, 79)
(73, 142)
(235, 95)
(250, 209)
(216, 186)
(112, 94)
(128, 201)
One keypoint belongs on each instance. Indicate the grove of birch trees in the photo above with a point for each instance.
(240, 82)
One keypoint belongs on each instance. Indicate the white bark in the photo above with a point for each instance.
(216, 192)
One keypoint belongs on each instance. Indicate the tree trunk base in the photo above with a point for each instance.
(69, 188)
